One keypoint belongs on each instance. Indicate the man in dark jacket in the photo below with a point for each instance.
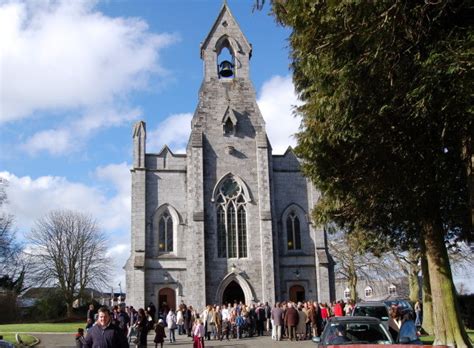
(291, 321)
(105, 334)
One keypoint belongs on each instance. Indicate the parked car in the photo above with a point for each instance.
(353, 330)
(374, 309)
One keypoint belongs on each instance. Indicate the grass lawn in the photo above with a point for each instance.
(41, 327)
(430, 339)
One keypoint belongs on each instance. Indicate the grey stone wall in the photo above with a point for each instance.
(184, 184)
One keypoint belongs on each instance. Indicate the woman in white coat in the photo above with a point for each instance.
(171, 323)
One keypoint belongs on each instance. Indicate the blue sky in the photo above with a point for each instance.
(76, 75)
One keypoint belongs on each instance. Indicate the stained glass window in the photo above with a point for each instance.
(231, 220)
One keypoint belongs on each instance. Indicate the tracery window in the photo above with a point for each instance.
(293, 231)
(392, 289)
(165, 233)
(231, 220)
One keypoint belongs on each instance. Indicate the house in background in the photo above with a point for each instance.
(374, 290)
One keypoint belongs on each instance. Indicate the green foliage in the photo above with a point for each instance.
(16, 285)
(50, 307)
(387, 115)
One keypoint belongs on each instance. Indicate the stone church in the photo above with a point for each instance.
(227, 220)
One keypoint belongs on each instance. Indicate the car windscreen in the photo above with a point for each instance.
(355, 333)
(368, 311)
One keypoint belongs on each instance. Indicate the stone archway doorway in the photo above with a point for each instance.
(166, 300)
(233, 293)
(297, 293)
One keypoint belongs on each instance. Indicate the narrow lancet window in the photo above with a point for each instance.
(293, 231)
(165, 233)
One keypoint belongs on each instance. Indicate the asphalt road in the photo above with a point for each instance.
(55, 340)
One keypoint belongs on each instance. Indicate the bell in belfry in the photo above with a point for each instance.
(226, 69)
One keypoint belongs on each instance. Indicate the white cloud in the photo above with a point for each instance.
(32, 198)
(72, 136)
(276, 101)
(60, 55)
(119, 253)
(173, 131)
(116, 213)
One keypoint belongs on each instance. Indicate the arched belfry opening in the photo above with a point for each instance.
(225, 59)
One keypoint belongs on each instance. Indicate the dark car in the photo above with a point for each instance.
(353, 330)
(374, 309)
(403, 305)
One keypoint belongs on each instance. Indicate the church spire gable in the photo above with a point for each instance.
(225, 35)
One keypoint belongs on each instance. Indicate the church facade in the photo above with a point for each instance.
(227, 221)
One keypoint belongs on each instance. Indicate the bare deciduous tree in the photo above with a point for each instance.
(353, 262)
(70, 251)
(13, 264)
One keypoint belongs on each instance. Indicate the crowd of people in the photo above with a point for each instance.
(125, 326)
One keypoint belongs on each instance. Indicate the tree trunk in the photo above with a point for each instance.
(353, 281)
(414, 285)
(448, 327)
(427, 298)
(414, 270)
(69, 312)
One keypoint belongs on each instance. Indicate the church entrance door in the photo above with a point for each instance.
(297, 293)
(232, 293)
(166, 300)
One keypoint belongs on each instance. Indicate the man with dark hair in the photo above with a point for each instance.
(105, 334)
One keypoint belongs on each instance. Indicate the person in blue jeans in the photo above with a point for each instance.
(239, 323)
(408, 331)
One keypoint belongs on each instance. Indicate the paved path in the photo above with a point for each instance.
(56, 340)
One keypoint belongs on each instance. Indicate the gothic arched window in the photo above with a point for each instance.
(165, 232)
(231, 220)
(293, 231)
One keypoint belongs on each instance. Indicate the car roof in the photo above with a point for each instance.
(371, 304)
(347, 319)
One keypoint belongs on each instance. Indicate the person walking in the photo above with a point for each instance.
(105, 334)
(171, 323)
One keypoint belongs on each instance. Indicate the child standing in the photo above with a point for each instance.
(80, 340)
(198, 334)
(159, 333)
